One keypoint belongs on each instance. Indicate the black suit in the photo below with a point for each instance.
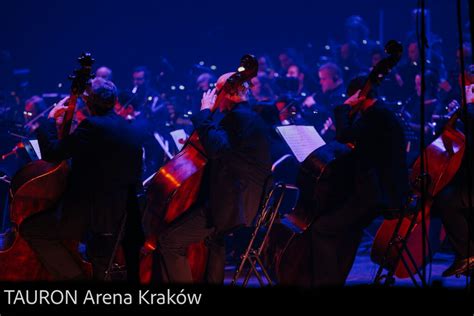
(105, 172)
(452, 203)
(380, 183)
(239, 162)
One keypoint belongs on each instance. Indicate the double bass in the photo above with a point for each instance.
(324, 178)
(37, 187)
(443, 159)
(176, 187)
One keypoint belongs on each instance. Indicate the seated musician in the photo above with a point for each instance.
(380, 183)
(238, 150)
(105, 170)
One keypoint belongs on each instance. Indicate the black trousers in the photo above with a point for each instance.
(452, 206)
(174, 241)
(337, 233)
(45, 233)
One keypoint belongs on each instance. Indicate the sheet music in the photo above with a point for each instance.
(179, 137)
(302, 140)
(34, 143)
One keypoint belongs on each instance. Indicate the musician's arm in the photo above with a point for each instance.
(213, 137)
(55, 150)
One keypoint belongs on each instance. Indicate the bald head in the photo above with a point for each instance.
(104, 73)
(240, 96)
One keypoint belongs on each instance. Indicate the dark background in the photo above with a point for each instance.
(46, 36)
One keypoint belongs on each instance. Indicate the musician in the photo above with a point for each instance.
(318, 109)
(380, 183)
(143, 97)
(239, 161)
(105, 169)
(452, 205)
(104, 73)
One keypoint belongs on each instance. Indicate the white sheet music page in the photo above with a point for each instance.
(302, 140)
(179, 138)
(34, 143)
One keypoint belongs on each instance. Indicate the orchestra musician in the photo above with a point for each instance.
(380, 183)
(452, 203)
(106, 160)
(238, 151)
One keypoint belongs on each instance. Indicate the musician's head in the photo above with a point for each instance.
(140, 76)
(104, 73)
(33, 106)
(240, 94)
(330, 77)
(357, 84)
(101, 96)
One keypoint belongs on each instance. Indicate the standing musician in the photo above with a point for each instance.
(238, 150)
(452, 203)
(380, 183)
(105, 170)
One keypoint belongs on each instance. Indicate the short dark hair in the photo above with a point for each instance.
(102, 95)
(143, 69)
(357, 84)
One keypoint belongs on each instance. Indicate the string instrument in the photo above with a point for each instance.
(176, 186)
(37, 187)
(443, 158)
(325, 178)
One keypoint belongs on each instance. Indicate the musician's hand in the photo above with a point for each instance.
(208, 100)
(329, 125)
(309, 101)
(354, 99)
(59, 109)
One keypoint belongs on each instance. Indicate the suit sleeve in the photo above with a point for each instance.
(347, 131)
(213, 137)
(55, 150)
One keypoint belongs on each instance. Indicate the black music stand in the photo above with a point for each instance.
(273, 203)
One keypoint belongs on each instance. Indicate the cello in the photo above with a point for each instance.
(324, 178)
(37, 187)
(401, 240)
(176, 186)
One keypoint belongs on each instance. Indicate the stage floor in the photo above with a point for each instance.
(364, 270)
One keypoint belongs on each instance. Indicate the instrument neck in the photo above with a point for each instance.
(363, 93)
(65, 128)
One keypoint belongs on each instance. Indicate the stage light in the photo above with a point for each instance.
(213, 67)
(181, 87)
(327, 47)
(60, 85)
(173, 87)
(364, 42)
(201, 63)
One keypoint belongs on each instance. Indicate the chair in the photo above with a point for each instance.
(280, 199)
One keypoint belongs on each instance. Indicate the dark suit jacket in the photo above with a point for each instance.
(380, 152)
(238, 150)
(105, 167)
